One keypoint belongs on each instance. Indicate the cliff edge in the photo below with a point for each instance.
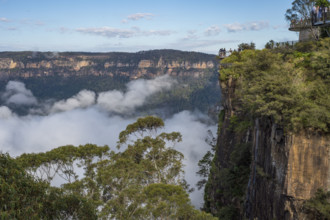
(273, 149)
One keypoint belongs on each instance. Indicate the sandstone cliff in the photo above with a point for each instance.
(62, 75)
(272, 159)
(285, 169)
(134, 65)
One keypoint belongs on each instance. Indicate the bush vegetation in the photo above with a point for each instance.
(292, 86)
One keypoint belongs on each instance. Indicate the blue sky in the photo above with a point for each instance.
(135, 25)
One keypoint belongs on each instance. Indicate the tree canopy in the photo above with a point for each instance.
(289, 85)
(143, 181)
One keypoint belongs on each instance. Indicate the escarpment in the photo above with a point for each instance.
(273, 150)
(133, 65)
(261, 171)
(61, 75)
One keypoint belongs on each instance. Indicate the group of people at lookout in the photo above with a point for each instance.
(320, 14)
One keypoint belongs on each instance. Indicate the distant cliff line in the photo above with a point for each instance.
(134, 65)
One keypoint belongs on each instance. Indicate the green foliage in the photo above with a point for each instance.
(149, 123)
(300, 9)
(60, 161)
(144, 181)
(221, 118)
(204, 168)
(246, 46)
(228, 213)
(205, 164)
(322, 3)
(126, 176)
(290, 87)
(235, 178)
(270, 44)
(22, 196)
(318, 207)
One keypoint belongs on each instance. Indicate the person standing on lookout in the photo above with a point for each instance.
(314, 13)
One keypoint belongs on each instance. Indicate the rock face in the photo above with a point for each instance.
(286, 168)
(135, 65)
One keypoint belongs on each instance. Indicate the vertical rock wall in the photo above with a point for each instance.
(286, 168)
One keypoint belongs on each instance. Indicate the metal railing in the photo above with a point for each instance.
(302, 24)
(322, 19)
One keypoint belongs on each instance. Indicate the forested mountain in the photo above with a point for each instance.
(62, 75)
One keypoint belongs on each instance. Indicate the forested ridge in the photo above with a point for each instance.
(53, 75)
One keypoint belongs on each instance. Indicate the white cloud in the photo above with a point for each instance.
(4, 20)
(5, 112)
(191, 35)
(195, 44)
(31, 22)
(110, 32)
(136, 95)
(250, 26)
(193, 145)
(17, 94)
(212, 31)
(83, 99)
(138, 16)
(158, 32)
(12, 29)
(82, 122)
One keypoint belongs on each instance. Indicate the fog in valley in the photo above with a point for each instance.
(88, 117)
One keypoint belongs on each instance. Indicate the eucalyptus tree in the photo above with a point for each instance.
(301, 10)
(144, 180)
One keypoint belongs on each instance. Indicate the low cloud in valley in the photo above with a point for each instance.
(92, 118)
(16, 93)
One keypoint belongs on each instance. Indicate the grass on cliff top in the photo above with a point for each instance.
(290, 85)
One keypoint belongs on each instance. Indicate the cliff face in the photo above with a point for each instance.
(286, 168)
(134, 65)
(62, 75)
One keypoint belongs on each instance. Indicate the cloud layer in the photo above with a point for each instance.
(137, 93)
(111, 32)
(4, 19)
(16, 93)
(82, 119)
(83, 99)
(212, 31)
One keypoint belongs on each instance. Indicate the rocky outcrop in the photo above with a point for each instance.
(136, 65)
(286, 168)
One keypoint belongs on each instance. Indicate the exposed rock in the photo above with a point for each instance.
(145, 64)
(286, 169)
(111, 64)
(293, 171)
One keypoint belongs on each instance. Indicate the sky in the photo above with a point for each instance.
(131, 26)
